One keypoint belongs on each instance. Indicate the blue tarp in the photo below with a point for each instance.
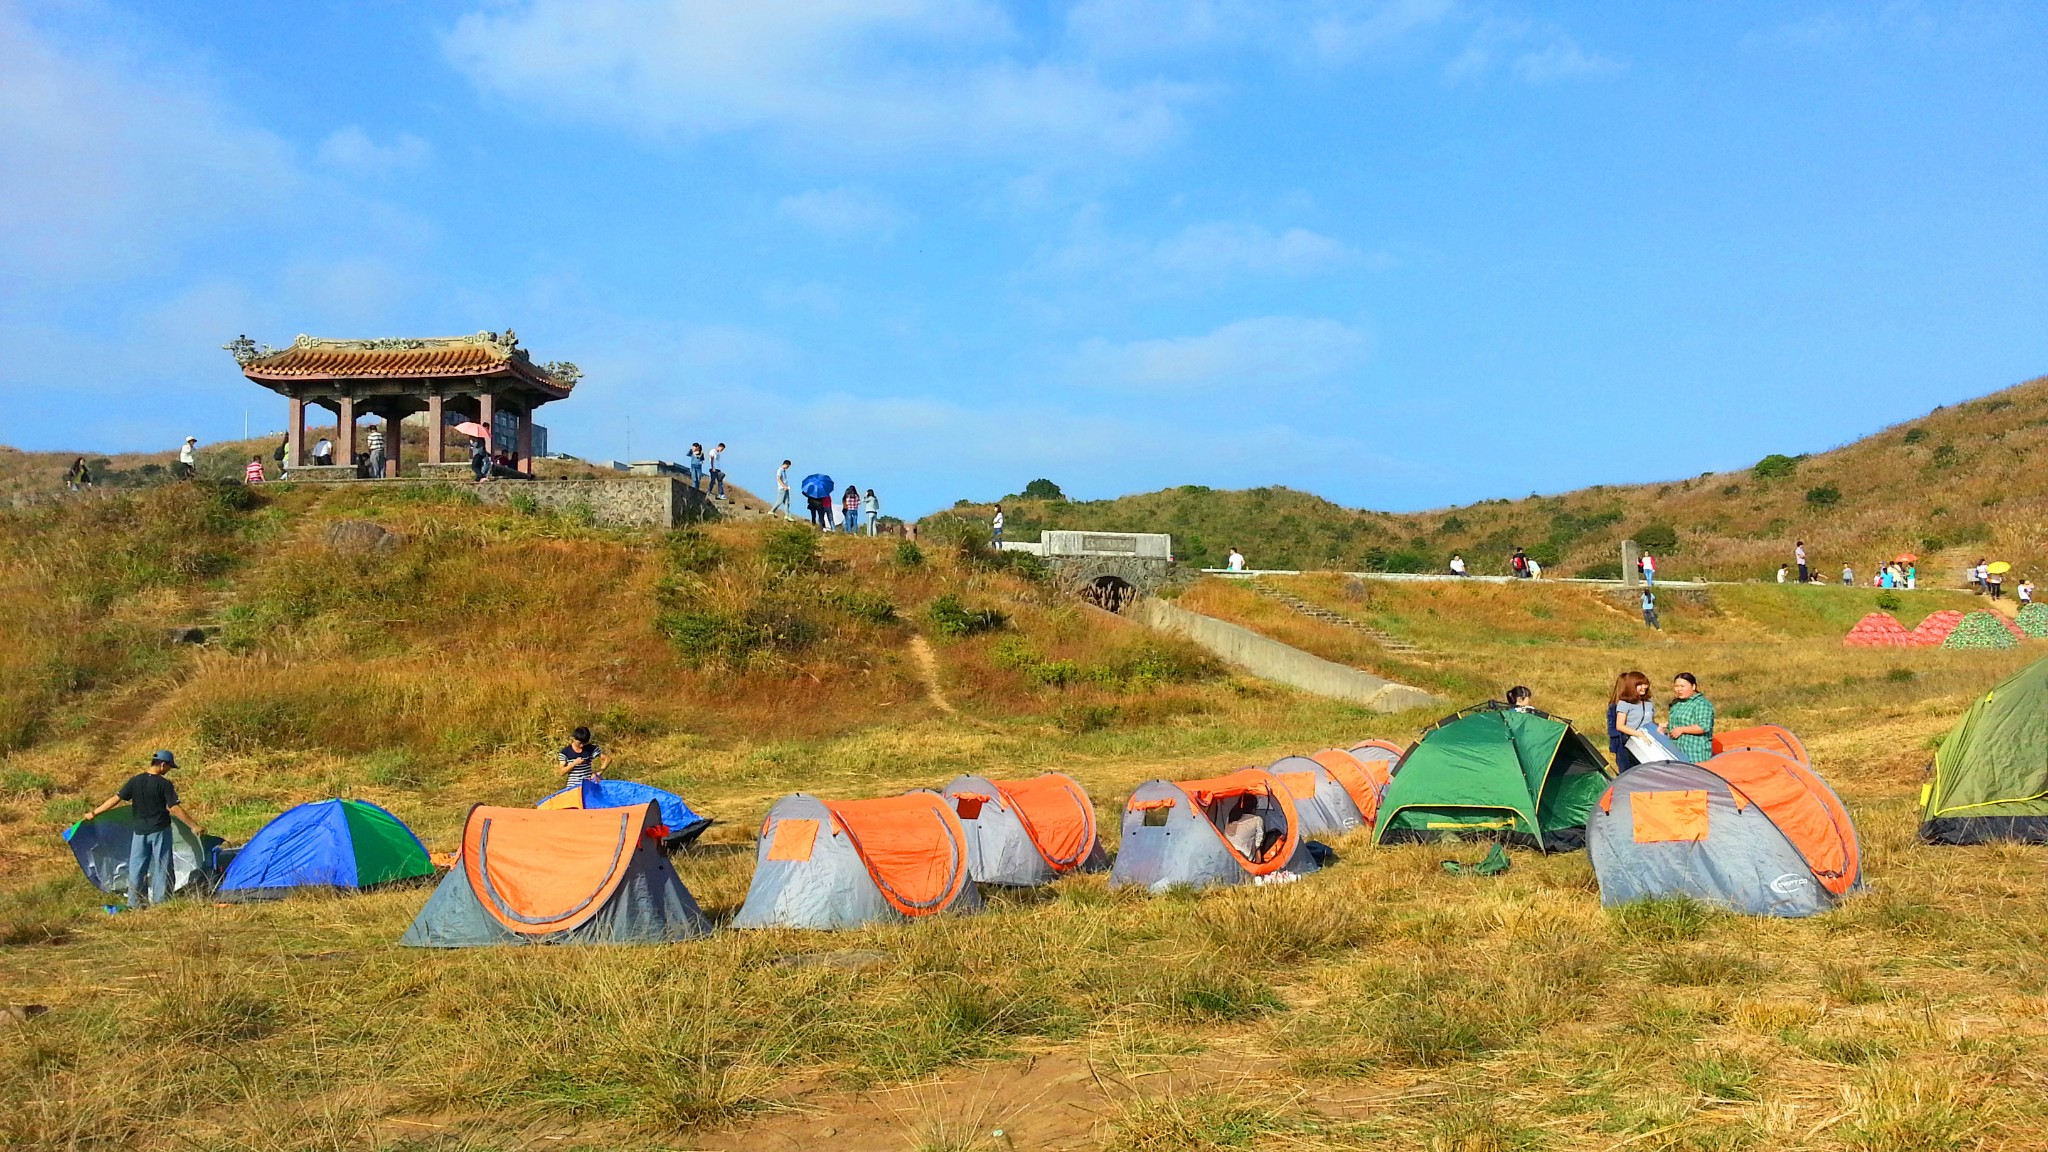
(817, 486)
(679, 817)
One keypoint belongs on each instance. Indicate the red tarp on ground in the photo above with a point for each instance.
(1879, 630)
(1933, 630)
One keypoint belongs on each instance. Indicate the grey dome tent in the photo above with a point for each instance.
(1023, 833)
(558, 876)
(843, 863)
(101, 844)
(1173, 833)
(1751, 831)
(1325, 806)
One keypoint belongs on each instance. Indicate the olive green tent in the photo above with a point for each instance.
(1492, 771)
(1991, 771)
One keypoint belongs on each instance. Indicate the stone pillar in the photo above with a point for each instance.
(436, 424)
(487, 415)
(295, 434)
(526, 441)
(393, 430)
(1630, 553)
(345, 430)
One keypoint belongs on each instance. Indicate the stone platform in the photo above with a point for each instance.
(615, 502)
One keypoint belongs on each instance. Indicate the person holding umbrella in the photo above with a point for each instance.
(817, 490)
(1994, 578)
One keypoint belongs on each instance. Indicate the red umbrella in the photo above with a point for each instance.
(1907, 558)
(472, 428)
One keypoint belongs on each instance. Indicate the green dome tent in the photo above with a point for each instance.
(1525, 777)
(1991, 771)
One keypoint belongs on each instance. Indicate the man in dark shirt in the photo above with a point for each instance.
(155, 801)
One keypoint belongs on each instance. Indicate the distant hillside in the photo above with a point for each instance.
(1951, 486)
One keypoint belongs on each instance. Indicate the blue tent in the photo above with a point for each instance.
(684, 825)
(325, 844)
(817, 486)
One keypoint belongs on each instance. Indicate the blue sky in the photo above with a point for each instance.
(1402, 253)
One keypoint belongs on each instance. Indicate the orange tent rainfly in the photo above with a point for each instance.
(1233, 829)
(1879, 630)
(1026, 832)
(537, 876)
(843, 863)
(1762, 738)
(1929, 633)
(1364, 772)
(1751, 830)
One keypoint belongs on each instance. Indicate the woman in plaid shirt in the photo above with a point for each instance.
(1690, 723)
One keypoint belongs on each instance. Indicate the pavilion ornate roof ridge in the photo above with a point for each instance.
(312, 355)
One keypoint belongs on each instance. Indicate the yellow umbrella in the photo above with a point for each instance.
(2001, 567)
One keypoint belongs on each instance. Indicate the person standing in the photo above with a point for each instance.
(1650, 610)
(1690, 723)
(871, 505)
(1995, 581)
(78, 475)
(1630, 712)
(696, 462)
(1913, 575)
(188, 462)
(1977, 574)
(1649, 566)
(849, 510)
(1519, 564)
(782, 492)
(995, 529)
(582, 759)
(2026, 591)
(1799, 558)
(154, 800)
(253, 474)
(1848, 576)
(718, 473)
(376, 446)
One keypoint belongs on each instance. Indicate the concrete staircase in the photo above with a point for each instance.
(1318, 612)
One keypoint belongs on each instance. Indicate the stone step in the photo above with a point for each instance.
(1318, 612)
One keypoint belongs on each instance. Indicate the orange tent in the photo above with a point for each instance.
(842, 863)
(1026, 832)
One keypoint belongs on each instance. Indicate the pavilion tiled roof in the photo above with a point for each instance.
(484, 354)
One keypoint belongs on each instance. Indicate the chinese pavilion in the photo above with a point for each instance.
(487, 379)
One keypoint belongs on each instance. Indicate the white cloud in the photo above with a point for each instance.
(1330, 29)
(1534, 53)
(1214, 249)
(352, 148)
(1362, 28)
(844, 213)
(851, 74)
(109, 159)
(1248, 355)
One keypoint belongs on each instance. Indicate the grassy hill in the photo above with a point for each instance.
(1951, 486)
(1380, 1004)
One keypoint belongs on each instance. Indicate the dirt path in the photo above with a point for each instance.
(928, 671)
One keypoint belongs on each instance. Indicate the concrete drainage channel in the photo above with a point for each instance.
(1269, 659)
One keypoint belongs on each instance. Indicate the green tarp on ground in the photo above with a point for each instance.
(1991, 771)
(1525, 777)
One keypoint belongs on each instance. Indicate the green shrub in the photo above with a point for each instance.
(865, 604)
(246, 725)
(1657, 537)
(1825, 496)
(1732, 490)
(1043, 489)
(1609, 570)
(1776, 466)
(690, 550)
(908, 554)
(733, 638)
(1915, 435)
(1889, 601)
(948, 617)
(792, 548)
(1945, 455)
(1405, 560)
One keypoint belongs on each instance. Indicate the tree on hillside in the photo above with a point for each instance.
(1043, 489)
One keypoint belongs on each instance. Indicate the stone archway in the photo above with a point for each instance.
(1109, 593)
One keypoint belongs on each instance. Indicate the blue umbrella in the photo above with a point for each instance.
(817, 486)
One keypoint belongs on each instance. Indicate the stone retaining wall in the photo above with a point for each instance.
(621, 502)
(1269, 659)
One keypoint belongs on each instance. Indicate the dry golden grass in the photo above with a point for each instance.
(1379, 1004)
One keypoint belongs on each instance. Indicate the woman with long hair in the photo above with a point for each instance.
(1630, 712)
